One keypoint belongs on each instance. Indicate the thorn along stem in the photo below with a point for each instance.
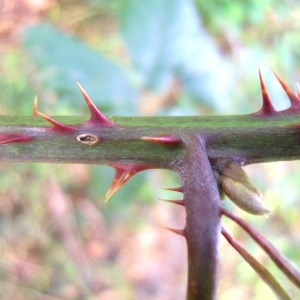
(267, 107)
(295, 102)
(178, 202)
(57, 126)
(97, 117)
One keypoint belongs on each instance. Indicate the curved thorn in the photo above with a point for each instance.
(293, 98)
(177, 231)
(57, 126)
(178, 202)
(163, 139)
(267, 107)
(121, 177)
(178, 189)
(96, 115)
(14, 138)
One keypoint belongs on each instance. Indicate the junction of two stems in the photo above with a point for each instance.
(203, 180)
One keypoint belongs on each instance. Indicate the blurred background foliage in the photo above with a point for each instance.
(58, 240)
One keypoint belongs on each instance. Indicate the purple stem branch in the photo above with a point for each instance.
(282, 263)
(264, 274)
(202, 231)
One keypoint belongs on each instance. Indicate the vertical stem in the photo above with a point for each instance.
(202, 231)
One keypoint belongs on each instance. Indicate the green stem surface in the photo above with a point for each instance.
(246, 139)
(205, 140)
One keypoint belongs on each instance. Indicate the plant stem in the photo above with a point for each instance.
(245, 139)
(202, 231)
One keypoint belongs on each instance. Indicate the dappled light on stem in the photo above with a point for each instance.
(267, 107)
(294, 99)
(207, 153)
(178, 202)
(177, 189)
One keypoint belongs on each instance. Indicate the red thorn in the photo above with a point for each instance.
(35, 106)
(178, 202)
(178, 189)
(123, 173)
(163, 139)
(57, 126)
(96, 115)
(177, 231)
(121, 177)
(267, 107)
(14, 138)
(295, 101)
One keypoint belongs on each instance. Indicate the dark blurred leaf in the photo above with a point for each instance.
(66, 60)
(165, 38)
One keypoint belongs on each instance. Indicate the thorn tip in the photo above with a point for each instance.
(14, 138)
(177, 231)
(267, 107)
(96, 115)
(178, 202)
(294, 99)
(178, 189)
(123, 172)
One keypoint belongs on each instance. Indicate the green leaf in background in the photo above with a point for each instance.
(165, 38)
(65, 60)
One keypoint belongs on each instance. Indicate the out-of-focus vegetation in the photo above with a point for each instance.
(58, 240)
